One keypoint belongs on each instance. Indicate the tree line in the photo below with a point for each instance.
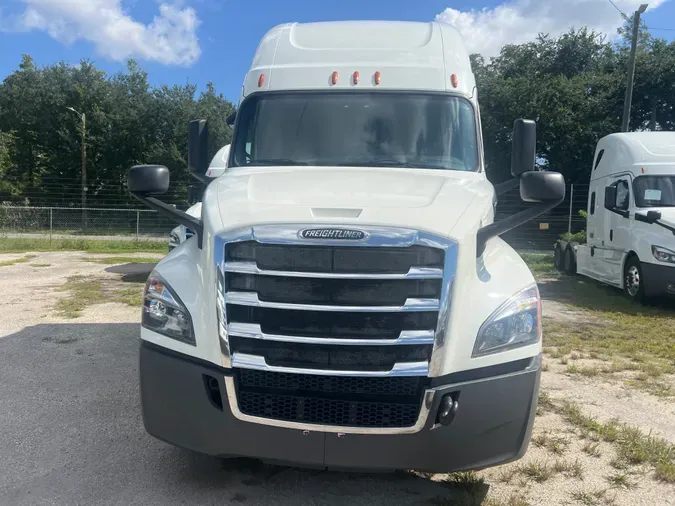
(128, 122)
(573, 85)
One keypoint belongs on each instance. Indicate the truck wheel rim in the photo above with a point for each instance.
(633, 281)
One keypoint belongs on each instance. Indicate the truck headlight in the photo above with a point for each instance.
(515, 323)
(663, 254)
(164, 313)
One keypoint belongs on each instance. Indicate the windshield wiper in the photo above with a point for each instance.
(274, 161)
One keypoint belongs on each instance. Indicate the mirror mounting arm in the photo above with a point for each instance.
(503, 226)
(511, 184)
(174, 214)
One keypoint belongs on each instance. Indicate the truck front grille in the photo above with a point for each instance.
(337, 334)
(330, 400)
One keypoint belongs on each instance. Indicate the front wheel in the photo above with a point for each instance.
(633, 282)
(558, 257)
(570, 263)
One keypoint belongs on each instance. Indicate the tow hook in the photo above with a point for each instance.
(447, 410)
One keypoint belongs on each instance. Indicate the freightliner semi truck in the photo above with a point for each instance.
(346, 301)
(630, 224)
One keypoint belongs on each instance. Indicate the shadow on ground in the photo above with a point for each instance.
(585, 293)
(132, 272)
(72, 433)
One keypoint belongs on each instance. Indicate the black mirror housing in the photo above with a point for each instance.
(542, 186)
(524, 146)
(198, 137)
(610, 197)
(231, 119)
(148, 179)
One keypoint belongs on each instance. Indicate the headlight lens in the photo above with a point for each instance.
(515, 323)
(164, 313)
(663, 254)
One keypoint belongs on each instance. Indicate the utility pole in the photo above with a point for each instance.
(631, 68)
(83, 118)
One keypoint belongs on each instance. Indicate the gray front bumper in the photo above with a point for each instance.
(492, 426)
(658, 279)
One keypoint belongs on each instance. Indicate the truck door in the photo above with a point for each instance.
(617, 230)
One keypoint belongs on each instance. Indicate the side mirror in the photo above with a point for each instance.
(198, 136)
(148, 179)
(524, 146)
(542, 186)
(230, 119)
(610, 197)
(651, 217)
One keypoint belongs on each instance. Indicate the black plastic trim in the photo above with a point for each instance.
(482, 373)
(187, 358)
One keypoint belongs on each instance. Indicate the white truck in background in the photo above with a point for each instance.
(216, 168)
(346, 300)
(630, 230)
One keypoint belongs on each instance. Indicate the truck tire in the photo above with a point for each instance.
(569, 261)
(558, 261)
(633, 282)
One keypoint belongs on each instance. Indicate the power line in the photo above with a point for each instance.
(620, 11)
(663, 29)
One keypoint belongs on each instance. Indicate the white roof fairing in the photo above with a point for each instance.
(655, 151)
(408, 55)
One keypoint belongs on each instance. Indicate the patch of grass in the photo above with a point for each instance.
(595, 498)
(123, 260)
(507, 475)
(554, 444)
(620, 480)
(647, 384)
(512, 500)
(467, 489)
(536, 470)
(570, 469)
(632, 445)
(636, 337)
(540, 265)
(582, 370)
(85, 292)
(19, 260)
(545, 367)
(591, 449)
(40, 265)
(544, 402)
(20, 245)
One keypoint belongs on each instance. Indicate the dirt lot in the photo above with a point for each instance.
(71, 431)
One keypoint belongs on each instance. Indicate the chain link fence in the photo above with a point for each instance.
(537, 235)
(97, 222)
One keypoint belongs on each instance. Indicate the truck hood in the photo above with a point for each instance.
(404, 197)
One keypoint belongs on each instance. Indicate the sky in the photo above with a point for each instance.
(197, 41)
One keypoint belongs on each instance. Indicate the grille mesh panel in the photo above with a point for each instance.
(330, 400)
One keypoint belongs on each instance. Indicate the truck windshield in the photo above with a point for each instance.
(655, 191)
(382, 129)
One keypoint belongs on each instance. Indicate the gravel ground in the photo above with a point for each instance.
(71, 431)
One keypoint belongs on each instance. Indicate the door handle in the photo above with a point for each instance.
(611, 235)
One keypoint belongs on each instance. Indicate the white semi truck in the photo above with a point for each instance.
(630, 224)
(346, 300)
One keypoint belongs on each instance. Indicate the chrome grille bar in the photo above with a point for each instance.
(251, 299)
(413, 273)
(254, 331)
(246, 361)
